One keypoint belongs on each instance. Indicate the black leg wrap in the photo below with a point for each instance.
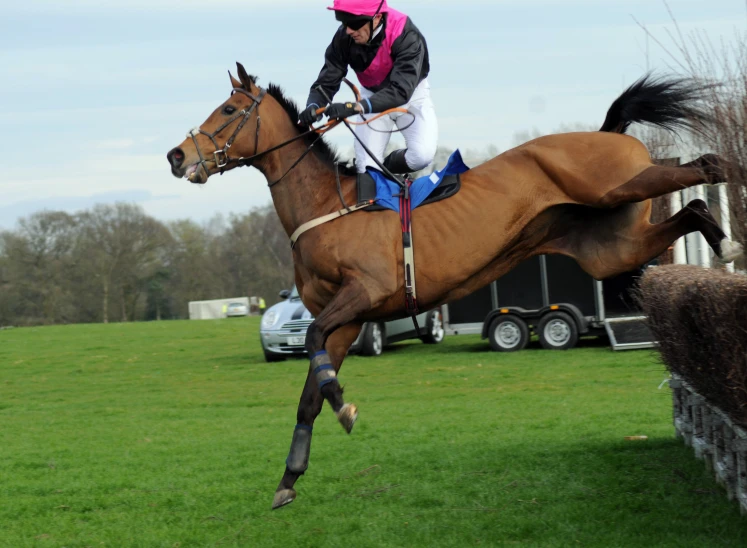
(396, 162)
(298, 457)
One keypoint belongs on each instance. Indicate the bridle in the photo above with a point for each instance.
(221, 158)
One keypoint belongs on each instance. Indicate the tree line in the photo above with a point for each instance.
(116, 263)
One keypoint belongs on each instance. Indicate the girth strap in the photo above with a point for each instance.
(327, 218)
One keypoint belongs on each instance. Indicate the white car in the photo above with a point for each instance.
(283, 330)
(236, 309)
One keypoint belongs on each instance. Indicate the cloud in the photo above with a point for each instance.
(140, 178)
(10, 214)
(170, 200)
(114, 144)
(122, 144)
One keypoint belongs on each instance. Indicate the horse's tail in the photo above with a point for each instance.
(671, 104)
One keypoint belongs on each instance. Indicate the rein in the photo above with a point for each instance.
(221, 158)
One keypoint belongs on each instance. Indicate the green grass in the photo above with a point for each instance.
(175, 434)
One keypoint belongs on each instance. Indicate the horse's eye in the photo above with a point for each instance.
(228, 109)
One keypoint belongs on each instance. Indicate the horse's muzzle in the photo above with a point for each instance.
(176, 159)
(181, 169)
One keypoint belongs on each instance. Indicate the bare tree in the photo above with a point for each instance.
(61, 268)
(721, 69)
(37, 261)
(256, 253)
(121, 244)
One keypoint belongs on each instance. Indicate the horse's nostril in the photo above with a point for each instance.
(175, 157)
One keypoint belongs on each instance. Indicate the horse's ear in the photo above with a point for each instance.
(234, 82)
(246, 79)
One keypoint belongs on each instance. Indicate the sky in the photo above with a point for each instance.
(94, 94)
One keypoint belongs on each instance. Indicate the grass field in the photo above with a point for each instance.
(174, 434)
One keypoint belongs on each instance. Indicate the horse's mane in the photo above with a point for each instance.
(323, 150)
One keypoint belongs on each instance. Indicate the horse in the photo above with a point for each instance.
(586, 195)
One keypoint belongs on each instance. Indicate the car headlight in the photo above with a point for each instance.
(269, 319)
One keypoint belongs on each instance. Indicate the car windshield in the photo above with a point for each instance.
(294, 296)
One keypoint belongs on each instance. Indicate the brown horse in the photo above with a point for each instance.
(584, 195)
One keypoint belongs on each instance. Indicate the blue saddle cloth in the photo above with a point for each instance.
(387, 191)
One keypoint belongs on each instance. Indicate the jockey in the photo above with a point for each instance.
(390, 58)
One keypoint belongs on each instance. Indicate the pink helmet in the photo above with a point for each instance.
(360, 7)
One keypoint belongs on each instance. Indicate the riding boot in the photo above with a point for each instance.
(396, 162)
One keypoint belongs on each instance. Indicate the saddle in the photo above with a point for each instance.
(439, 185)
(366, 186)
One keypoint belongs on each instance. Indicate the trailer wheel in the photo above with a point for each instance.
(508, 333)
(557, 331)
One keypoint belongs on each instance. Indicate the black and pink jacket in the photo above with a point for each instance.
(391, 65)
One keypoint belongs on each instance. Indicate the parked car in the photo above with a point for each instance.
(236, 309)
(283, 330)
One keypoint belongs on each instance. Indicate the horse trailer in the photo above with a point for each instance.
(552, 297)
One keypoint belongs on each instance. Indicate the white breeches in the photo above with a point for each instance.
(421, 138)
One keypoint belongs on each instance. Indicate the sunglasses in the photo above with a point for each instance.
(356, 24)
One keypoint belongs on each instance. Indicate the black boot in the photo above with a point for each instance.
(396, 162)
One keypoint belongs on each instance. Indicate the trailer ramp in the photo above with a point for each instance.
(629, 333)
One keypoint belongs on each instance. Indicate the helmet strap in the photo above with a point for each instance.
(371, 37)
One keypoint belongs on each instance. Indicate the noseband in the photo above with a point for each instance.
(220, 156)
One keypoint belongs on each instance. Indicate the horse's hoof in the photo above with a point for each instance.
(283, 497)
(347, 416)
(730, 251)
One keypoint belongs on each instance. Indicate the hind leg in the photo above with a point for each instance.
(716, 169)
(623, 239)
(660, 180)
(698, 218)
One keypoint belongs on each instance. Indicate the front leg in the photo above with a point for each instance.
(328, 340)
(349, 302)
(309, 408)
